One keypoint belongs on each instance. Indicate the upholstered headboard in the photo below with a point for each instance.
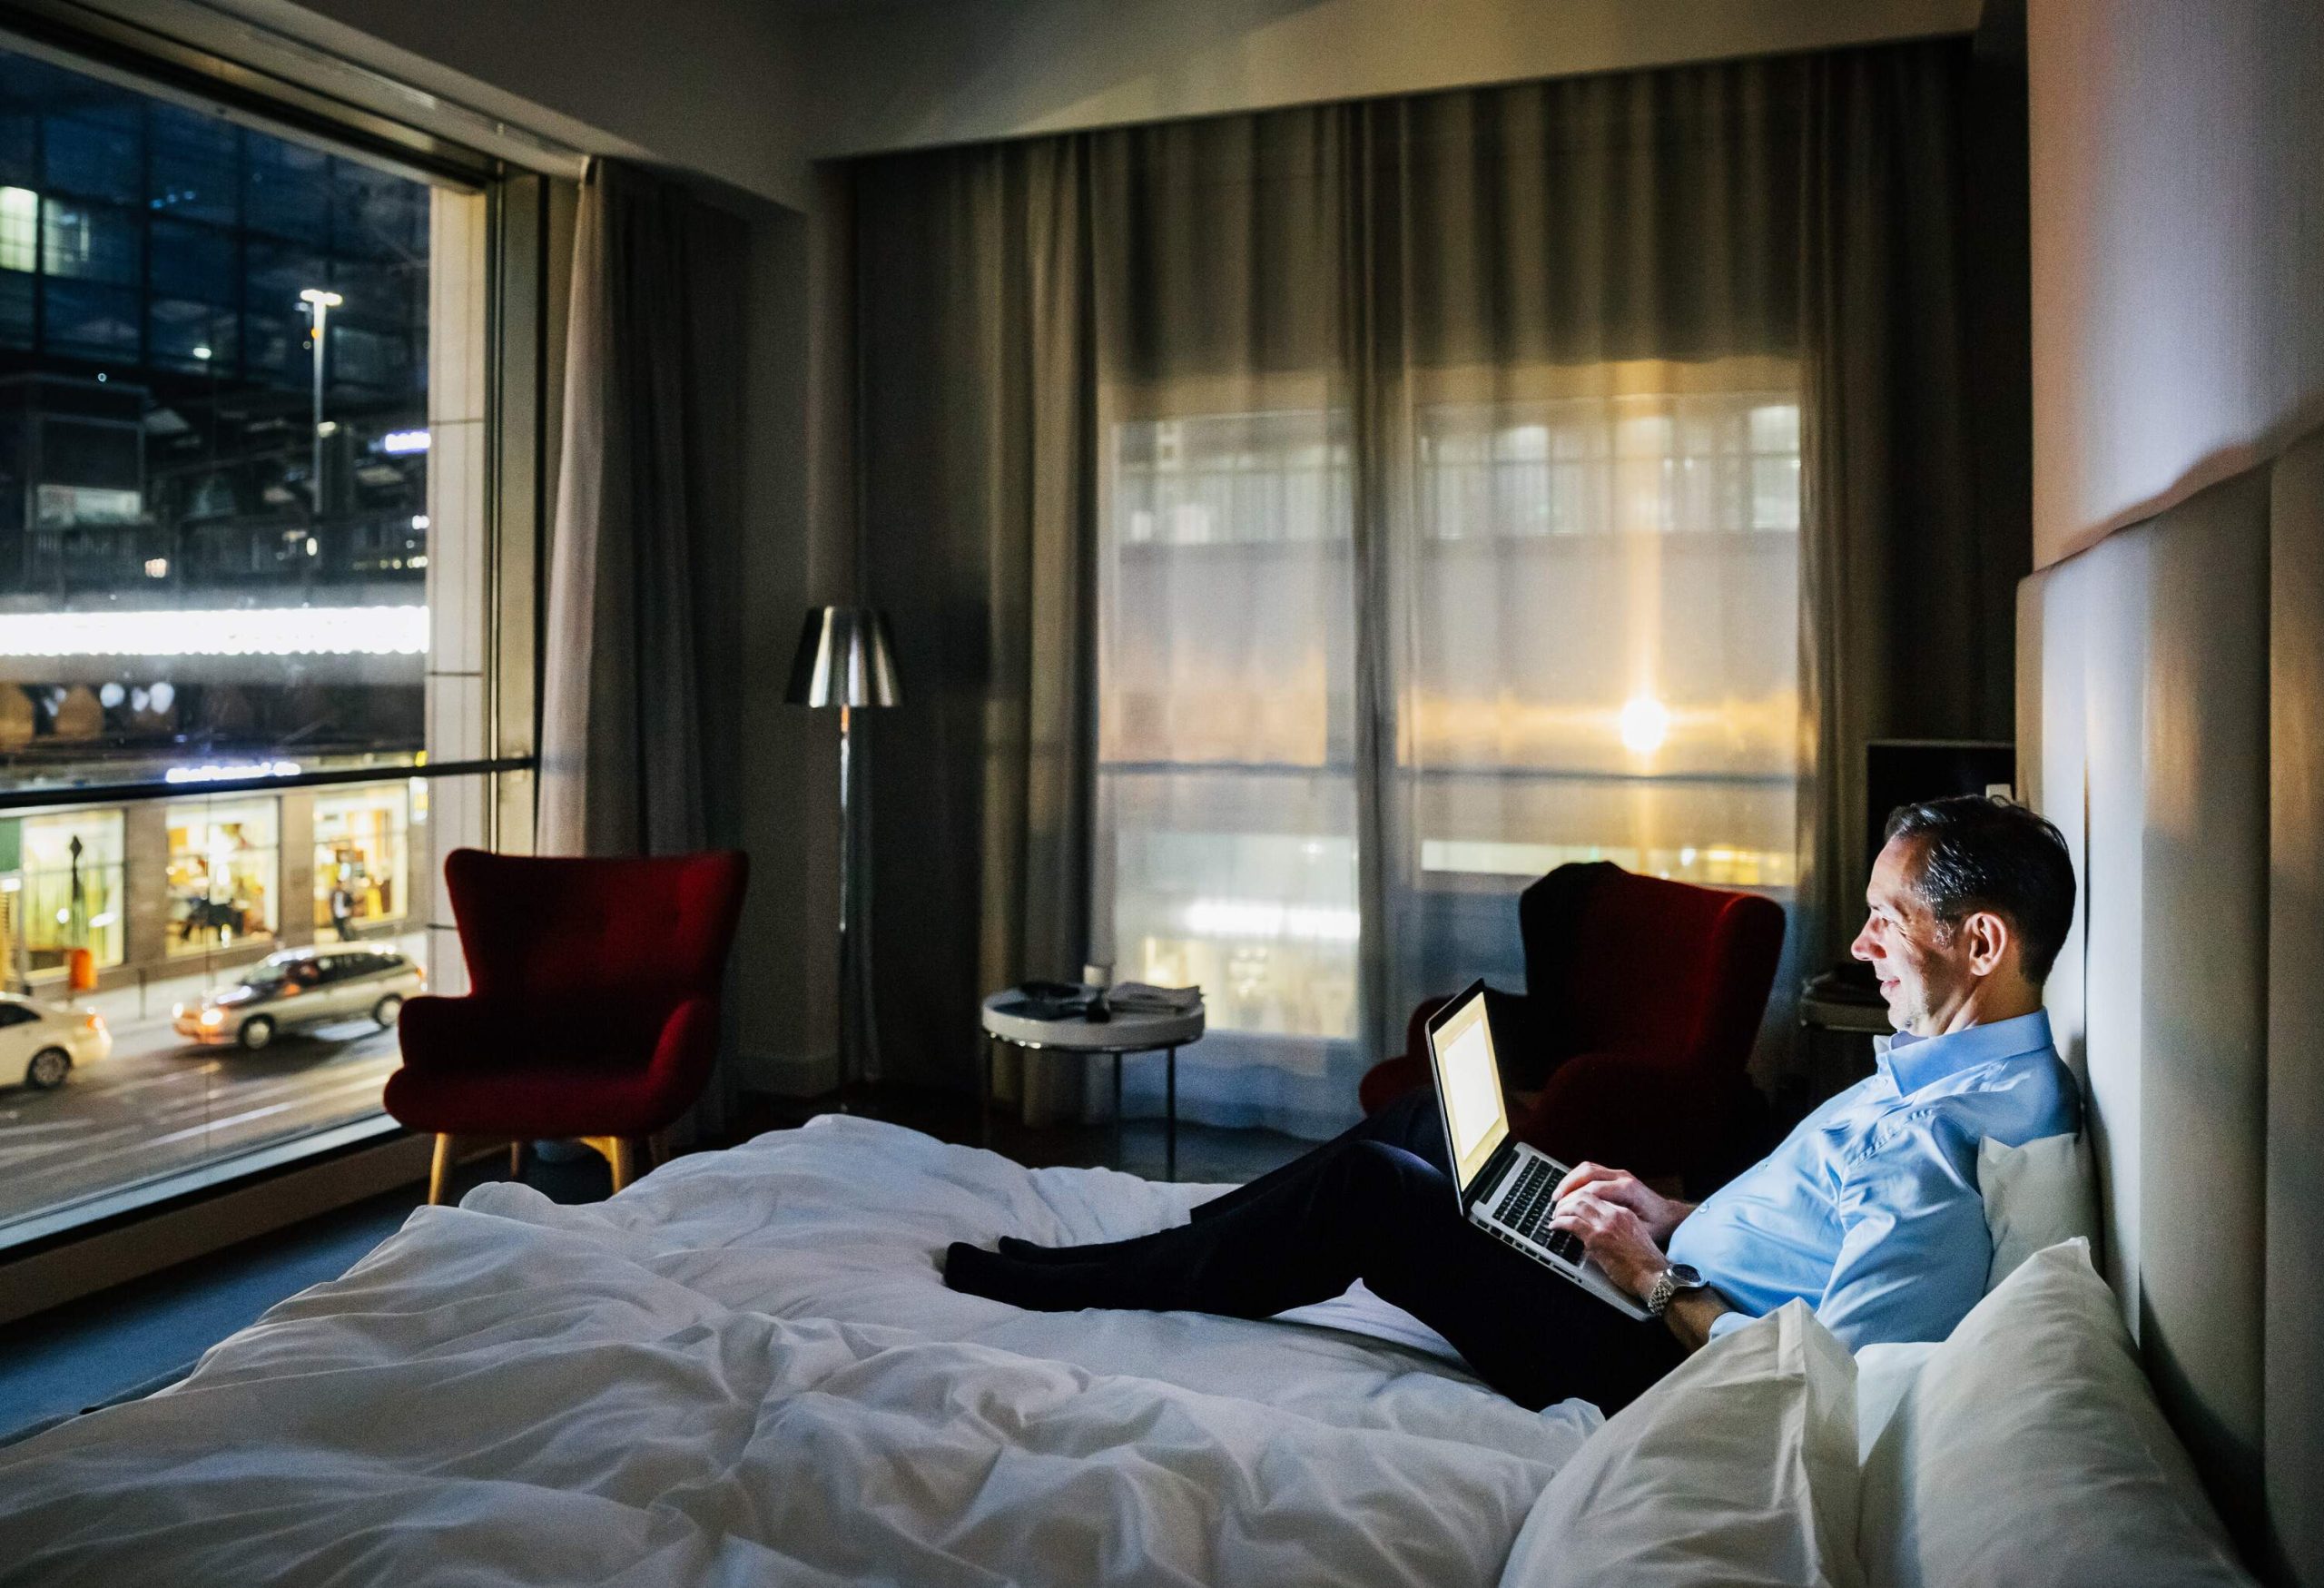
(2171, 715)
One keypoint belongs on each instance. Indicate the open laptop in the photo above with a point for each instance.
(1504, 1185)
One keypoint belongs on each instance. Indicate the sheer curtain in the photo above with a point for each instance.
(1427, 475)
(1229, 792)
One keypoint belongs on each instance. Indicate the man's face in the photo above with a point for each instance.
(1924, 969)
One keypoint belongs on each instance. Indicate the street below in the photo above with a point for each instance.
(160, 1103)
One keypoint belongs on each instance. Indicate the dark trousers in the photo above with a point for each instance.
(1377, 1204)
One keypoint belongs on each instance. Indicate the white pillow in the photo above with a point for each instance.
(1883, 1372)
(2029, 1450)
(1738, 1470)
(2036, 1196)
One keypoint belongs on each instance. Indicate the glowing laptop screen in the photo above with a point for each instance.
(1470, 1082)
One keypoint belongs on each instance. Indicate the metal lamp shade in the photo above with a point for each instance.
(844, 659)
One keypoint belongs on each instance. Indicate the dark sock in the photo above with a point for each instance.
(1025, 1251)
(1036, 1287)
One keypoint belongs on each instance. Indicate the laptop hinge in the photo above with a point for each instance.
(1489, 1179)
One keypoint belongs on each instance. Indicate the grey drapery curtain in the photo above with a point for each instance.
(642, 642)
(1463, 375)
(1909, 568)
(975, 422)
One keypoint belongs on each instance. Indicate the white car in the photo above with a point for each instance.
(298, 988)
(42, 1042)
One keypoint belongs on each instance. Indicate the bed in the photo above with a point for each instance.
(746, 1368)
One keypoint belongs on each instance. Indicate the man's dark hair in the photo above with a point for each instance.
(1981, 853)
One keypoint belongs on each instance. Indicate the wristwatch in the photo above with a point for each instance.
(1678, 1276)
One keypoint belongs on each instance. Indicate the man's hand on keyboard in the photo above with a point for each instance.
(1616, 1238)
(1659, 1214)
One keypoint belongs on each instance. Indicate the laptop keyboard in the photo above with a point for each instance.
(1526, 1210)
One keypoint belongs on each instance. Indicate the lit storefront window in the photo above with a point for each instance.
(359, 857)
(70, 888)
(223, 864)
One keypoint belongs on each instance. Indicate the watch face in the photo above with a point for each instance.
(1683, 1277)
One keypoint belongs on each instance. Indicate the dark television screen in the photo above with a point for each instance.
(1898, 772)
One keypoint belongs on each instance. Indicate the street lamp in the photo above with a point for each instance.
(322, 301)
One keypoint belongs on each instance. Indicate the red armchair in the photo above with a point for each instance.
(1643, 998)
(593, 1010)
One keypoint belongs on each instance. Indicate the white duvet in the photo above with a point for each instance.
(746, 1369)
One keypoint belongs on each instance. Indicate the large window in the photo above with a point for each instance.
(1604, 633)
(245, 539)
(1226, 729)
(1586, 651)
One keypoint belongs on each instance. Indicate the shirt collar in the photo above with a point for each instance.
(1913, 1062)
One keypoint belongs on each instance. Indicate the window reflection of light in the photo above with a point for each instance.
(1256, 918)
(263, 631)
(1645, 723)
(214, 773)
(19, 228)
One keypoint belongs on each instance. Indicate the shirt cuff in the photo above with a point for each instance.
(1727, 1323)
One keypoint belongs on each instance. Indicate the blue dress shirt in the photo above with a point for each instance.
(1870, 1209)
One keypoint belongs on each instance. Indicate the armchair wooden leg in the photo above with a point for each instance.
(619, 1152)
(439, 1170)
(517, 1159)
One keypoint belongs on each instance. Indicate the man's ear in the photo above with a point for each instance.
(1987, 937)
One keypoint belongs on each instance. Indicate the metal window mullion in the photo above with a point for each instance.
(13, 800)
(144, 287)
(40, 237)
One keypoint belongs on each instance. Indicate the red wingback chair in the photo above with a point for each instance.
(593, 1010)
(1627, 1047)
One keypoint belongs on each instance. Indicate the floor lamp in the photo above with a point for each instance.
(844, 660)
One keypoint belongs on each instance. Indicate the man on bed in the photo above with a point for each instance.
(1869, 1210)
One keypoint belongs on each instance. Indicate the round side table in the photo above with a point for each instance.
(1006, 1022)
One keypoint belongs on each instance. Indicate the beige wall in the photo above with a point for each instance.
(2178, 250)
(895, 76)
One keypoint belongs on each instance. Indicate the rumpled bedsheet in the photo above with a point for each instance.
(746, 1369)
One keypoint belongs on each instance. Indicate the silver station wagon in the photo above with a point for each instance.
(298, 988)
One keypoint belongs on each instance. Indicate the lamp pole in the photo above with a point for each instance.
(845, 660)
(322, 301)
(846, 896)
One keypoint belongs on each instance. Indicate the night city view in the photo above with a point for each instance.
(213, 566)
